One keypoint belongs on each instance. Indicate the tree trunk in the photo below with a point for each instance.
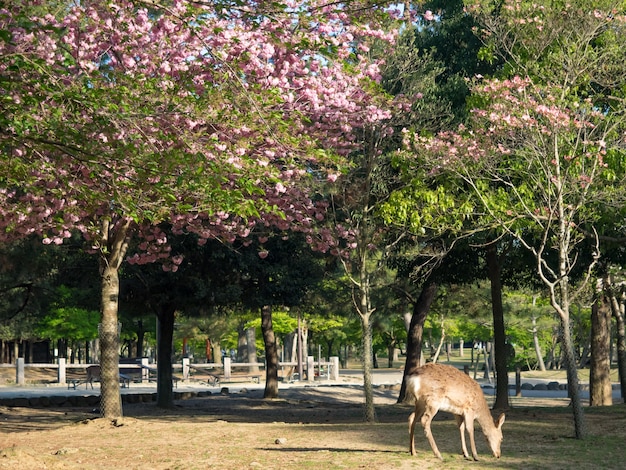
(290, 346)
(499, 333)
(442, 339)
(368, 363)
(618, 312)
(540, 363)
(391, 354)
(329, 348)
(115, 240)
(217, 352)
(572, 378)
(601, 391)
(165, 336)
(140, 337)
(242, 346)
(251, 349)
(110, 399)
(416, 331)
(271, 354)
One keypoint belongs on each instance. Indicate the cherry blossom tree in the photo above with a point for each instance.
(118, 116)
(538, 164)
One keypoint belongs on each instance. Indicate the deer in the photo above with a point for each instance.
(437, 387)
(93, 373)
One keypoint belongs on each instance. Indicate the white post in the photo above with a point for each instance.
(334, 368)
(461, 344)
(19, 371)
(61, 371)
(319, 360)
(185, 368)
(145, 370)
(299, 349)
(227, 361)
(310, 368)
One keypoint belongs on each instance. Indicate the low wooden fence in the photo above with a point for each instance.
(143, 371)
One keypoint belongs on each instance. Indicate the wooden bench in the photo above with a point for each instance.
(201, 374)
(152, 375)
(234, 378)
(175, 380)
(125, 381)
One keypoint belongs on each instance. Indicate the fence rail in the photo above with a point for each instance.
(322, 369)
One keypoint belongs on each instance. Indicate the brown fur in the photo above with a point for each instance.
(435, 387)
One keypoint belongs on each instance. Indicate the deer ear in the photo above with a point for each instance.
(500, 421)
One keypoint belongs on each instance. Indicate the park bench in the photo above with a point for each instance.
(152, 375)
(202, 375)
(93, 374)
(240, 377)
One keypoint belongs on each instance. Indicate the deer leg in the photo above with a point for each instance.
(469, 425)
(412, 422)
(460, 422)
(413, 419)
(426, 420)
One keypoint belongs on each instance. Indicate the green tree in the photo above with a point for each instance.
(433, 61)
(278, 273)
(119, 117)
(540, 151)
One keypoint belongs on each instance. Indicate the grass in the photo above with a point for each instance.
(537, 435)
(195, 438)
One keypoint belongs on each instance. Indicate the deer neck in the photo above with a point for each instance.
(484, 418)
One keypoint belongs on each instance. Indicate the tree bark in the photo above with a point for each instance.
(392, 354)
(618, 313)
(271, 354)
(499, 333)
(290, 347)
(572, 378)
(416, 332)
(368, 363)
(251, 349)
(140, 337)
(217, 352)
(165, 336)
(540, 363)
(601, 391)
(115, 240)
(242, 345)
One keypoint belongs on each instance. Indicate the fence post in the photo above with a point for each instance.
(61, 371)
(310, 368)
(185, 368)
(19, 371)
(334, 368)
(145, 370)
(227, 367)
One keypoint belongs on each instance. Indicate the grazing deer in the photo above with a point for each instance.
(93, 373)
(436, 387)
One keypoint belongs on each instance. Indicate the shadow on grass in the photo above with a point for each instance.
(330, 449)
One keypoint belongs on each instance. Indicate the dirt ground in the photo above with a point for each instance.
(307, 427)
